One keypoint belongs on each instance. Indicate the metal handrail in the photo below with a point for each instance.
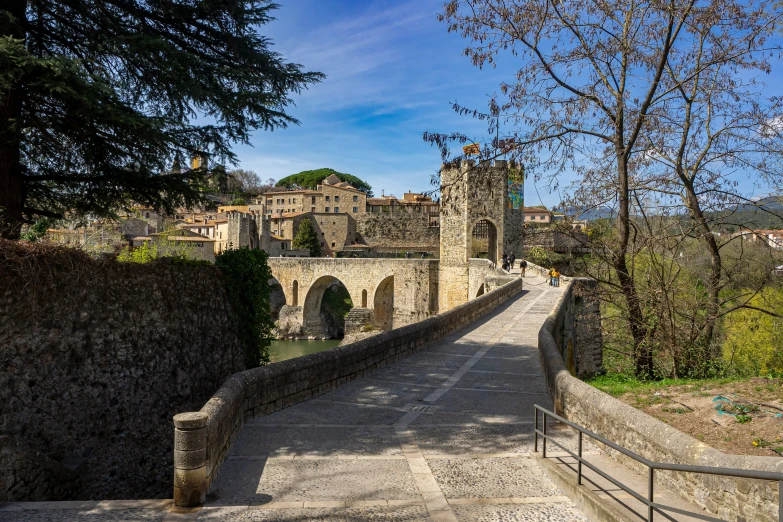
(651, 505)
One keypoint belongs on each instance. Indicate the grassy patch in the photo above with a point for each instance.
(616, 384)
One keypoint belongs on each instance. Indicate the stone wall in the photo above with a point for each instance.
(97, 356)
(729, 498)
(399, 230)
(205, 437)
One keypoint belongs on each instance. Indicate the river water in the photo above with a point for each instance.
(284, 349)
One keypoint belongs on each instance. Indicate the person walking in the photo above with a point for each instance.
(522, 266)
(555, 277)
(550, 276)
(512, 259)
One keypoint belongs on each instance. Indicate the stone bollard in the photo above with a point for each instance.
(190, 459)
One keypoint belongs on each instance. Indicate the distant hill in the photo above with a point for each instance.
(310, 179)
(590, 214)
(766, 213)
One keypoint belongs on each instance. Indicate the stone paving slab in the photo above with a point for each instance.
(522, 366)
(324, 514)
(414, 376)
(478, 401)
(478, 478)
(544, 512)
(275, 441)
(476, 439)
(317, 411)
(508, 382)
(377, 393)
(319, 480)
(434, 360)
(89, 515)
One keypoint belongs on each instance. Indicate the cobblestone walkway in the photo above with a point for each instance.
(443, 435)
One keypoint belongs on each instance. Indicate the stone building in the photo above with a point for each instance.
(332, 197)
(538, 214)
(474, 197)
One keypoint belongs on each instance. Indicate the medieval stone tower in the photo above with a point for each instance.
(485, 198)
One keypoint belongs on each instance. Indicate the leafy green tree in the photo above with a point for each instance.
(238, 201)
(307, 238)
(310, 179)
(247, 276)
(38, 229)
(98, 99)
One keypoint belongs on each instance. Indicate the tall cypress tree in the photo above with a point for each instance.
(98, 98)
(307, 238)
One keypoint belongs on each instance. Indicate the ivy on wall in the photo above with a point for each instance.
(247, 276)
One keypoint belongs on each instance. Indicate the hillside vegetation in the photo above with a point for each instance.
(310, 179)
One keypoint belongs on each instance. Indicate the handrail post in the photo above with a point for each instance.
(650, 488)
(535, 432)
(544, 441)
(579, 464)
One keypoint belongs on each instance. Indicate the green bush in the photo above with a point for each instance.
(307, 238)
(247, 276)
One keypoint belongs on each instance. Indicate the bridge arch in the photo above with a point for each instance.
(484, 234)
(277, 297)
(481, 290)
(311, 310)
(364, 298)
(383, 304)
(295, 293)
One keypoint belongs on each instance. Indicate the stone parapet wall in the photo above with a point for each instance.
(483, 275)
(97, 356)
(725, 497)
(264, 390)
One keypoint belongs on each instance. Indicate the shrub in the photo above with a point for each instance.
(247, 278)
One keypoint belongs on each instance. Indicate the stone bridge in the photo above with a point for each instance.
(386, 293)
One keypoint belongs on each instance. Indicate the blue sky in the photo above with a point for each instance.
(392, 70)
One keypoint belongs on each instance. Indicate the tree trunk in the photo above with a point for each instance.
(11, 182)
(643, 358)
(706, 355)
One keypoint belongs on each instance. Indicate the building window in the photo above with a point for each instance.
(294, 201)
(327, 198)
(312, 209)
(332, 245)
(336, 210)
(356, 198)
(336, 198)
(322, 243)
(313, 201)
(356, 209)
(327, 208)
(147, 214)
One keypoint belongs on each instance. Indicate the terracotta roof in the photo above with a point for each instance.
(274, 236)
(201, 239)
